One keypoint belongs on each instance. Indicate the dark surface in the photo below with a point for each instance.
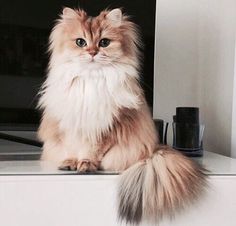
(20, 140)
(20, 156)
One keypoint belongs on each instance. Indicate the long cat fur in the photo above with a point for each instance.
(95, 117)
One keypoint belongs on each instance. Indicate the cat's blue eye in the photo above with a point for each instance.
(80, 42)
(104, 42)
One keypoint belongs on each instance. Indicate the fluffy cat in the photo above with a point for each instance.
(95, 116)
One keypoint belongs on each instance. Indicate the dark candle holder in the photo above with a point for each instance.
(187, 115)
(188, 132)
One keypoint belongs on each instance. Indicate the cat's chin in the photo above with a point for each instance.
(94, 64)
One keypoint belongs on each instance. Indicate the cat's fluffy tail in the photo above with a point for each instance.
(159, 186)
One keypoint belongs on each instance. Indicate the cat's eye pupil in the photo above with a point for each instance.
(104, 42)
(80, 42)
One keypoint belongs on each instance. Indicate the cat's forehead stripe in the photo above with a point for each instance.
(92, 28)
(96, 28)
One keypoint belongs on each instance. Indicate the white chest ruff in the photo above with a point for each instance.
(86, 101)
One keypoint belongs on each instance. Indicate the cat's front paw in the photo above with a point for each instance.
(86, 165)
(69, 164)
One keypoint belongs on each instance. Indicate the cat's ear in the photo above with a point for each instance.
(69, 13)
(115, 17)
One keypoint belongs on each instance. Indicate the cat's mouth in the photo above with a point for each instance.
(96, 61)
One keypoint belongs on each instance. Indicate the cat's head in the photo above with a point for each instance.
(109, 38)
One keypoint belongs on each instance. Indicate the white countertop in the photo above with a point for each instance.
(215, 163)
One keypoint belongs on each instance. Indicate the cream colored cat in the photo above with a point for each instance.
(95, 116)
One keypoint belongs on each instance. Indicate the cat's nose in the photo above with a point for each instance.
(93, 53)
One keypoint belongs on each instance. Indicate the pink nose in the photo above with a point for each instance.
(93, 53)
